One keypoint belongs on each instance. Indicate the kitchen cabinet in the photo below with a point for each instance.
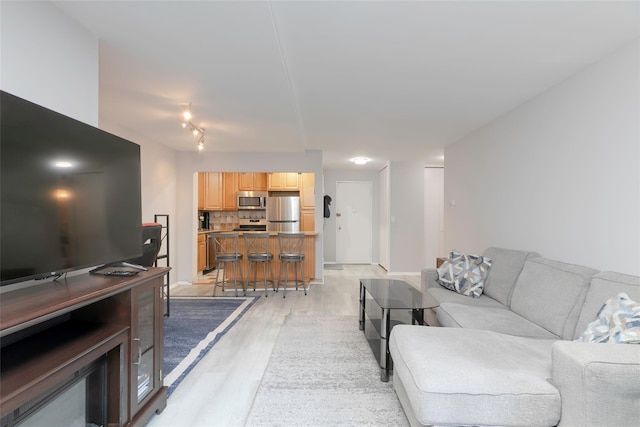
(283, 181)
(229, 190)
(307, 220)
(201, 185)
(252, 181)
(219, 191)
(245, 181)
(259, 181)
(213, 191)
(307, 202)
(307, 191)
(202, 252)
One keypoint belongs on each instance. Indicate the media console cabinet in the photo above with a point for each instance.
(89, 339)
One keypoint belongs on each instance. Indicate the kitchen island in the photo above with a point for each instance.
(309, 250)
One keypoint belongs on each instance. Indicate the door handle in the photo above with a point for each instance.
(338, 214)
(137, 341)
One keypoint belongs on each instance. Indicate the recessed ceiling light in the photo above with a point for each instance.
(360, 160)
(63, 164)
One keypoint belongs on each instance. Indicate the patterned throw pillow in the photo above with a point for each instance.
(464, 274)
(618, 321)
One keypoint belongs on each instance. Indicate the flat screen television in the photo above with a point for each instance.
(69, 194)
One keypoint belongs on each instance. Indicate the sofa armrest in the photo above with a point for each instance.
(598, 383)
(428, 278)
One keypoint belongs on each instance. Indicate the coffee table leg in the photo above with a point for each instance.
(417, 316)
(384, 345)
(361, 306)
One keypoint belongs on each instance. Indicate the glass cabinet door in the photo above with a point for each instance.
(146, 392)
(144, 338)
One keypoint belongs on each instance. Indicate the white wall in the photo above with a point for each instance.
(559, 175)
(49, 59)
(189, 163)
(433, 215)
(383, 217)
(331, 176)
(406, 228)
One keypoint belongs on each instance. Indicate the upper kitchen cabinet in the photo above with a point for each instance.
(212, 191)
(307, 191)
(217, 191)
(201, 180)
(229, 190)
(283, 181)
(260, 181)
(252, 181)
(307, 201)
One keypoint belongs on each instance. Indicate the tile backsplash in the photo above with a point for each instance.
(228, 220)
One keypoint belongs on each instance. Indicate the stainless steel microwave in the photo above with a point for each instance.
(252, 200)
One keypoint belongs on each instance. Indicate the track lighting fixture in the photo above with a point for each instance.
(197, 131)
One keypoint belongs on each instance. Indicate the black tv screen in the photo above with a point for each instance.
(70, 193)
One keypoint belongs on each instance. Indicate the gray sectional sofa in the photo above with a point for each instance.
(509, 358)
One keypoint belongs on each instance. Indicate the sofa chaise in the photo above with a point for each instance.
(510, 357)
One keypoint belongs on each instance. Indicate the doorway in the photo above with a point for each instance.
(354, 228)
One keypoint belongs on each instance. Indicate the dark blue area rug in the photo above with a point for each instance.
(194, 327)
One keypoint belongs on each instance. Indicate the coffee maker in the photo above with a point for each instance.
(204, 220)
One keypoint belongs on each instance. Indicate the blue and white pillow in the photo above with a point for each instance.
(464, 274)
(618, 321)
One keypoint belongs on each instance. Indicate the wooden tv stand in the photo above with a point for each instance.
(52, 330)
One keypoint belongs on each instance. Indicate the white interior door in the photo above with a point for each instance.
(354, 231)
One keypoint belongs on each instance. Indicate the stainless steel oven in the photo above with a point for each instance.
(252, 200)
(252, 224)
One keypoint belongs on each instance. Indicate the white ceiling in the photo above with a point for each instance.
(388, 80)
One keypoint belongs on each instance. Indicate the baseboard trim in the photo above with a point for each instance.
(403, 273)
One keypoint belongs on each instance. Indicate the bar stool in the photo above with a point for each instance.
(290, 248)
(257, 248)
(225, 247)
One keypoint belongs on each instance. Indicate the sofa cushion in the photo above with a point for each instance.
(598, 383)
(550, 294)
(490, 319)
(507, 265)
(444, 295)
(464, 273)
(458, 376)
(604, 285)
(618, 322)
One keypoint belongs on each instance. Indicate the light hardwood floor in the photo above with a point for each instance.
(220, 390)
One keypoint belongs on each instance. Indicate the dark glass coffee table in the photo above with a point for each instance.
(378, 297)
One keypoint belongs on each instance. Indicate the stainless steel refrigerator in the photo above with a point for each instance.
(283, 214)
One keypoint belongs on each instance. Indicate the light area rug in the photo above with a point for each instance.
(196, 324)
(323, 373)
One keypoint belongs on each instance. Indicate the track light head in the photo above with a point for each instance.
(187, 113)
